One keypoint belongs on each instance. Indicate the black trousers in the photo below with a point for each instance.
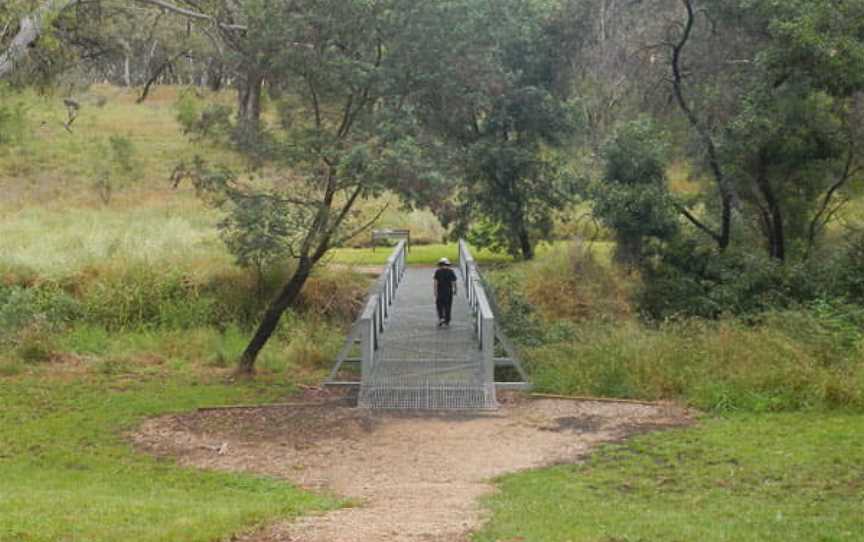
(444, 304)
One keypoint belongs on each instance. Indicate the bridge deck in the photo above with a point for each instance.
(419, 365)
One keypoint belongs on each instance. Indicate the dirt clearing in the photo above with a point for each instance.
(414, 476)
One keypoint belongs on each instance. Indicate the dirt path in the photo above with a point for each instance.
(416, 477)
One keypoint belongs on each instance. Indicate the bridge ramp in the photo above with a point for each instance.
(419, 365)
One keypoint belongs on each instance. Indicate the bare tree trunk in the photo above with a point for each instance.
(127, 72)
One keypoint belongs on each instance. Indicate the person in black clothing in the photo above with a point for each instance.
(445, 290)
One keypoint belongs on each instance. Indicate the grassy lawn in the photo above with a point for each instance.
(776, 477)
(69, 475)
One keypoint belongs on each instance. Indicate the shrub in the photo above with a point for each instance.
(140, 296)
(567, 286)
(35, 345)
(45, 306)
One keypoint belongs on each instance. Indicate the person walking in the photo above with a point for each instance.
(445, 290)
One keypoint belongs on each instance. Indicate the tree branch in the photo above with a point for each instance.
(365, 226)
(722, 238)
(821, 218)
(696, 222)
(29, 30)
(192, 14)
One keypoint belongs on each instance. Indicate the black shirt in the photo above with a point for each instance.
(444, 279)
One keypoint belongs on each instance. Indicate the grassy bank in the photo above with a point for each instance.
(68, 474)
(777, 458)
(777, 477)
(579, 333)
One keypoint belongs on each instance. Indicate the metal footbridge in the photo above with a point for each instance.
(406, 361)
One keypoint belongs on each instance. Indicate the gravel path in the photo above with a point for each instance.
(415, 477)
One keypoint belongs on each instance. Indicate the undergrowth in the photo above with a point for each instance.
(573, 319)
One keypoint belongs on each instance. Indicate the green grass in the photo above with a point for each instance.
(717, 366)
(423, 254)
(68, 474)
(783, 478)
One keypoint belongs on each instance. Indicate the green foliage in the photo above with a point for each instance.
(146, 297)
(777, 478)
(257, 231)
(792, 360)
(687, 278)
(502, 110)
(188, 109)
(632, 198)
(785, 145)
(47, 307)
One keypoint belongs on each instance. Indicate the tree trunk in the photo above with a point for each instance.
(774, 215)
(628, 250)
(728, 194)
(525, 244)
(127, 72)
(214, 75)
(272, 316)
(249, 101)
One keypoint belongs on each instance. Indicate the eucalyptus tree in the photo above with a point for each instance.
(342, 75)
(770, 90)
(502, 106)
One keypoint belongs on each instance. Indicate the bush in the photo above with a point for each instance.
(541, 300)
(45, 307)
(141, 296)
(686, 278)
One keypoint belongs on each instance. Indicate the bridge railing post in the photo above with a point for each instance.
(484, 317)
(369, 329)
(370, 324)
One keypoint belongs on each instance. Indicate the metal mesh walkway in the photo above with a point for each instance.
(419, 365)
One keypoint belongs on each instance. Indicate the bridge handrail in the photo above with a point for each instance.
(484, 318)
(377, 309)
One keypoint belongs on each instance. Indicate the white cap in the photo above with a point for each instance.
(444, 261)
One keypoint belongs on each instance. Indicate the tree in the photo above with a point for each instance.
(345, 133)
(502, 107)
(769, 91)
(632, 198)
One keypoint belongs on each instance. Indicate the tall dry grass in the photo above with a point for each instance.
(579, 333)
